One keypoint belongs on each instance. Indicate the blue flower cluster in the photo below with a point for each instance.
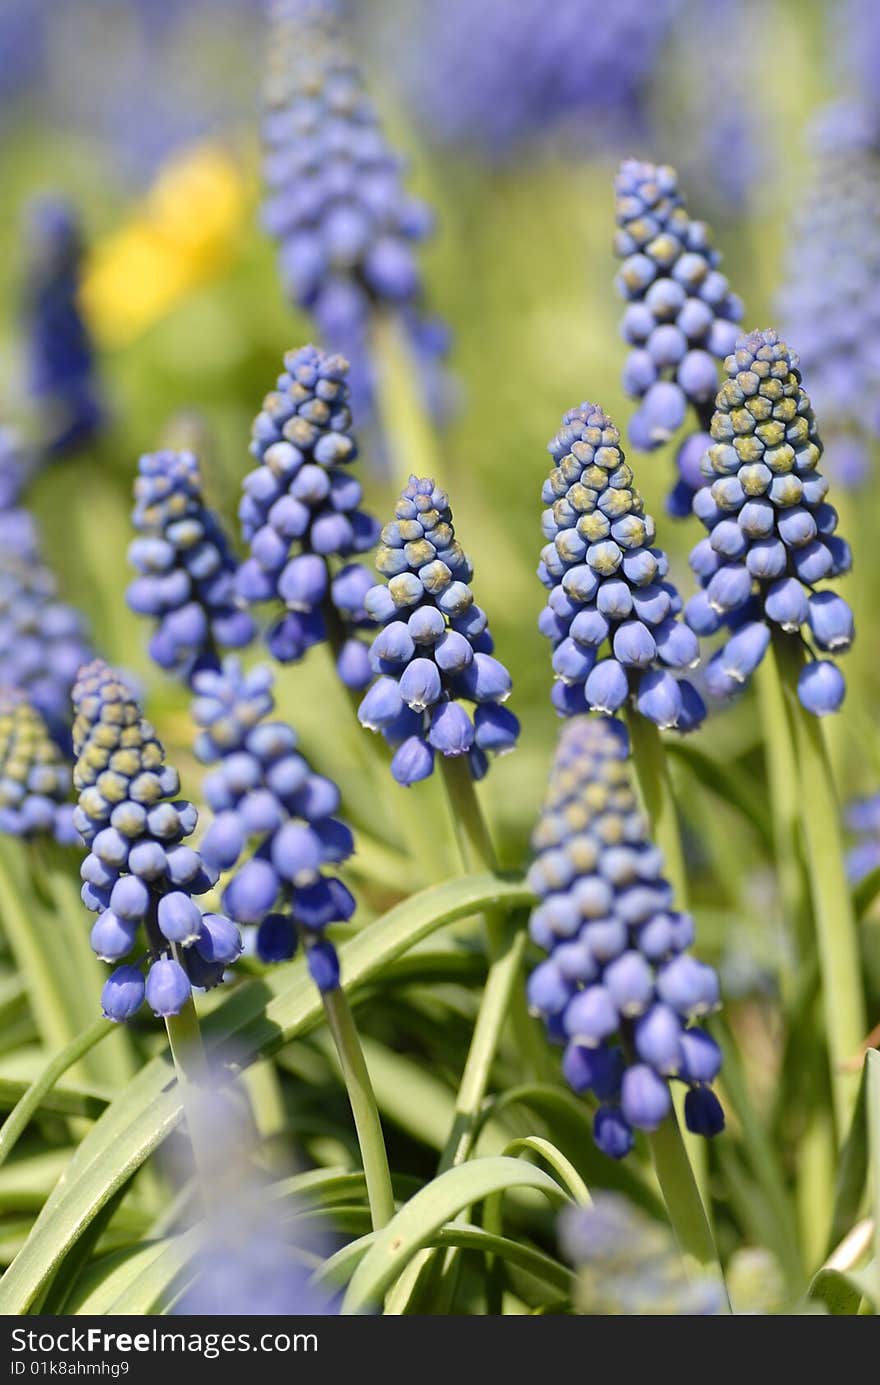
(263, 790)
(629, 1265)
(35, 782)
(139, 872)
(619, 987)
(680, 318)
(186, 570)
(434, 649)
(607, 585)
(500, 74)
(830, 304)
(42, 640)
(336, 203)
(300, 514)
(772, 537)
(61, 357)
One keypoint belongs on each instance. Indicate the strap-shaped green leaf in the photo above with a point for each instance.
(255, 1020)
(423, 1216)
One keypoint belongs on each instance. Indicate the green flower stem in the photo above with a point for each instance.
(19, 1117)
(478, 853)
(503, 977)
(655, 788)
(782, 784)
(656, 792)
(681, 1195)
(408, 432)
(834, 918)
(363, 1106)
(193, 1076)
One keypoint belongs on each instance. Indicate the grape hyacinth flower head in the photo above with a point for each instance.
(35, 782)
(771, 541)
(347, 228)
(61, 356)
(140, 876)
(301, 515)
(830, 304)
(42, 640)
(186, 569)
(680, 319)
(629, 1265)
(274, 823)
(434, 651)
(612, 617)
(498, 76)
(619, 984)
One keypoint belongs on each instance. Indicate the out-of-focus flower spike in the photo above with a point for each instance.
(680, 319)
(35, 783)
(347, 228)
(61, 359)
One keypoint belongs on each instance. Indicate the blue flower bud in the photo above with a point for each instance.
(451, 730)
(831, 621)
(112, 937)
(123, 994)
(323, 965)
(219, 940)
(644, 1097)
(168, 987)
(703, 1112)
(612, 1132)
(658, 1039)
(821, 687)
(412, 761)
(179, 918)
(276, 938)
(701, 1056)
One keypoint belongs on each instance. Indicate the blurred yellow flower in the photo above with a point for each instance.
(183, 234)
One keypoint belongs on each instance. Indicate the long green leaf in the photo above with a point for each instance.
(843, 1290)
(852, 1169)
(254, 1021)
(35, 1095)
(872, 1082)
(462, 1236)
(438, 1203)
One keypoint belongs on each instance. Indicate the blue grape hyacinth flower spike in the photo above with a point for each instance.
(433, 653)
(35, 781)
(301, 515)
(619, 988)
(829, 303)
(772, 543)
(186, 569)
(680, 319)
(275, 826)
(629, 1265)
(43, 640)
(347, 228)
(140, 876)
(612, 616)
(61, 363)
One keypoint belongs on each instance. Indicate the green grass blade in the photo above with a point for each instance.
(438, 1203)
(255, 1020)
